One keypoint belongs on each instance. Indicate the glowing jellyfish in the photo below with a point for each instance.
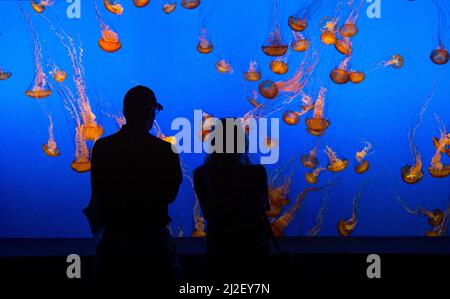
(39, 88)
(336, 164)
(40, 5)
(349, 28)
(204, 46)
(278, 198)
(297, 24)
(206, 126)
(254, 73)
(340, 74)
(328, 27)
(279, 66)
(91, 131)
(299, 21)
(346, 227)
(300, 44)
(356, 77)
(362, 164)
(141, 3)
(113, 6)
(291, 118)
(270, 142)
(82, 161)
(190, 4)
(274, 46)
(412, 174)
(162, 136)
(317, 124)
(440, 55)
(4, 75)
(224, 67)
(199, 227)
(396, 61)
(58, 75)
(109, 41)
(268, 89)
(344, 46)
(437, 169)
(169, 6)
(310, 160)
(312, 177)
(50, 148)
(281, 223)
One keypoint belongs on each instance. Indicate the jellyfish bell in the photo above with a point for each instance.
(270, 142)
(317, 126)
(252, 76)
(345, 228)
(141, 3)
(362, 167)
(339, 76)
(338, 165)
(311, 178)
(268, 89)
(328, 37)
(224, 67)
(39, 88)
(348, 30)
(279, 67)
(91, 131)
(190, 4)
(60, 76)
(168, 8)
(291, 118)
(40, 5)
(410, 175)
(439, 56)
(81, 166)
(297, 24)
(432, 234)
(344, 46)
(51, 152)
(439, 172)
(397, 61)
(435, 218)
(276, 49)
(309, 161)
(113, 7)
(301, 45)
(356, 77)
(109, 42)
(4, 75)
(205, 46)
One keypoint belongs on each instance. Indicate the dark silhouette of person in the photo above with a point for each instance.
(233, 196)
(134, 178)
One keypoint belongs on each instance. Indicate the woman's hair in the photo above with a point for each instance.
(226, 130)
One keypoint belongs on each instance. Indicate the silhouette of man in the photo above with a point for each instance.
(134, 178)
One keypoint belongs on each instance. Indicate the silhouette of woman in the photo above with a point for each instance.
(233, 196)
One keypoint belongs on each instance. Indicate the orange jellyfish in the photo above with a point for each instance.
(311, 177)
(268, 89)
(169, 6)
(58, 75)
(336, 164)
(274, 46)
(82, 161)
(291, 118)
(299, 21)
(356, 77)
(412, 174)
(253, 100)
(270, 142)
(279, 66)
(281, 223)
(310, 160)
(39, 88)
(50, 148)
(278, 198)
(40, 5)
(346, 227)
(141, 3)
(349, 28)
(254, 73)
(199, 228)
(328, 28)
(344, 46)
(224, 67)
(300, 44)
(190, 4)
(340, 74)
(397, 61)
(206, 126)
(109, 42)
(437, 169)
(440, 229)
(440, 55)
(113, 6)
(317, 124)
(162, 136)
(4, 75)
(204, 46)
(363, 165)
